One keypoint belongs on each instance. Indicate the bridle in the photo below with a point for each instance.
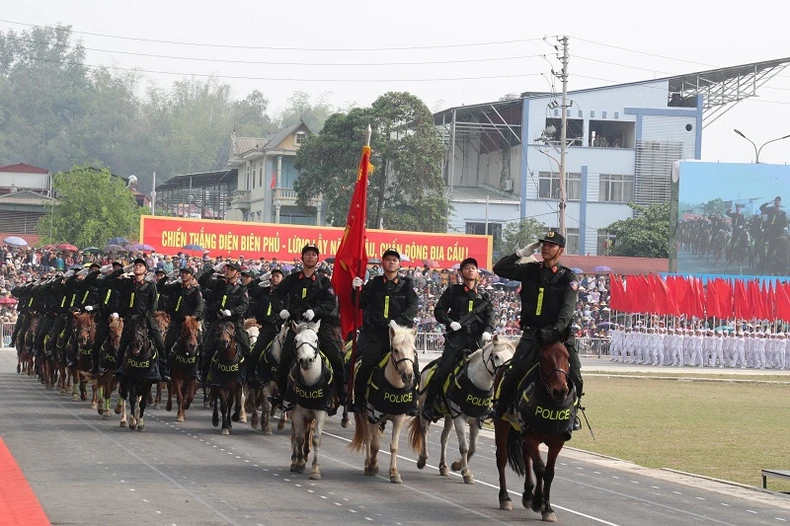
(396, 362)
(489, 360)
(313, 346)
(544, 378)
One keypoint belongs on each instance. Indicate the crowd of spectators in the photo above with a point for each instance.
(591, 319)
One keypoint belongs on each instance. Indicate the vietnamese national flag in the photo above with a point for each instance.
(351, 259)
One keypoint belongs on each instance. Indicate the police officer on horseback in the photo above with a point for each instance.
(138, 298)
(548, 300)
(308, 296)
(738, 224)
(184, 299)
(266, 312)
(387, 301)
(227, 301)
(467, 313)
(106, 302)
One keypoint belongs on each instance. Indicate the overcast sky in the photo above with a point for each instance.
(452, 40)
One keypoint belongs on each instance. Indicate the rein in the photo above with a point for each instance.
(544, 378)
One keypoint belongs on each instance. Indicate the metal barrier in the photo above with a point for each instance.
(429, 341)
(593, 346)
(6, 330)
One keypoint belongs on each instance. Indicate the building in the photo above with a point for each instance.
(25, 196)
(266, 175)
(622, 141)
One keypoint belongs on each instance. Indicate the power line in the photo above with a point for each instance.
(630, 50)
(289, 48)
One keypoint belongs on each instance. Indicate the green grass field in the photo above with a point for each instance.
(724, 430)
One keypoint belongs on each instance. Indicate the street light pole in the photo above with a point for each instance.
(756, 149)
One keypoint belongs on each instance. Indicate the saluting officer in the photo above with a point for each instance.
(107, 302)
(307, 296)
(387, 301)
(266, 313)
(467, 313)
(138, 296)
(184, 299)
(549, 292)
(227, 301)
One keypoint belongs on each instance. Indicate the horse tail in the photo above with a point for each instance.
(360, 427)
(515, 452)
(417, 434)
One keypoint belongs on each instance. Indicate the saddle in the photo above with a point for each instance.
(384, 399)
(317, 397)
(222, 372)
(458, 395)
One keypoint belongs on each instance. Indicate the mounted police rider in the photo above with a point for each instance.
(266, 313)
(184, 299)
(307, 296)
(388, 301)
(467, 313)
(549, 292)
(106, 303)
(738, 224)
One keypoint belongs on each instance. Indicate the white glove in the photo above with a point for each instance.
(455, 326)
(264, 284)
(226, 313)
(89, 308)
(114, 315)
(357, 282)
(129, 267)
(128, 275)
(106, 269)
(68, 274)
(150, 277)
(218, 266)
(284, 314)
(393, 324)
(309, 315)
(174, 273)
(266, 276)
(486, 336)
(528, 250)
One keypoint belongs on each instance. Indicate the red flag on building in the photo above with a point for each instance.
(351, 258)
(273, 184)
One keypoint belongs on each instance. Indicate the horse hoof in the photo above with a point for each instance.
(242, 420)
(123, 423)
(206, 405)
(141, 427)
(344, 422)
(443, 471)
(267, 430)
(75, 397)
(225, 431)
(280, 426)
(549, 516)
(180, 418)
(169, 406)
(296, 468)
(456, 466)
(469, 478)
(395, 478)
(315, 475)
(94, 405)
(83, 396)
(506, 505)
(156, 406)
(105, 415)
(215, 421)
(421, 462)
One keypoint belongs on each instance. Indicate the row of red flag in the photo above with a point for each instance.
(679, 295)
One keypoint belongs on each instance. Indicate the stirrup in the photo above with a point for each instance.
(577, 424)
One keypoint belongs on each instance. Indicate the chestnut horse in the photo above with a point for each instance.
(85, 329)
(185, 363)
(108, 363)
(162, 320)
(544, 414)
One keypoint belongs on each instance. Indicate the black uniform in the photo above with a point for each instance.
(456, 302)
(775, 220)
(382, 301)
(548, 301)
(23, 294)
(139, 299)
(738, 221)
(182, 301)
(221, 296)
(266, 311)
(106, 300)
(299, 293)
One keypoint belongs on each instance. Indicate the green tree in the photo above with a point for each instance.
(92, 207)
(646, 235)
(406, 187)
(300, 109)
(716, 207)
(520, 234)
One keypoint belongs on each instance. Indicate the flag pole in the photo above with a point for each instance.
(356, 298)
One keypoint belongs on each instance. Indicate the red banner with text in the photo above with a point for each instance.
(169, 235)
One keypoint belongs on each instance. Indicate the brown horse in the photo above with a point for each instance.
(107, 366)
(25, 344)
(185, 367)
(227, 378)
(544, 414)
(85, 329)
(162, 320)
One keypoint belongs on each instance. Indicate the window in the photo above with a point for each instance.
(494, 229)
(549, 186)
(574, 132)
(254, 177)
(616, 188)
(612, 134)
(247, 186)
(260, 175)
(605, 241)
(299, 138)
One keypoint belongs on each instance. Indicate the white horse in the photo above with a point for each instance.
(313, 394)
(394, 395)
(468, 402)
(259, 397)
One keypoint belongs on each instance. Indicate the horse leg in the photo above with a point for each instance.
(466, 449)
(215, 403)
(448, 426)
(176, 385)
(320, 420)
(190, 388)
(397, 424)
(224, 397)
(501, 430)
(235, 398)
(94, 395)
(266, 420)
(532, 452)
(98, 398)
(422, 428)
(241, 412)
(171, 386)
(297, 442)
(141, 418)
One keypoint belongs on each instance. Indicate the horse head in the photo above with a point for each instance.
(253, 330)
(553, 369)
(162, 320)
(306, 343)
(188, 339)
(226, 342)
(496, 352)
(140, 345)
(116, 331)
(403, 352)
(85, 327)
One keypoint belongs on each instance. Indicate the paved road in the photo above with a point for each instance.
(86, 470)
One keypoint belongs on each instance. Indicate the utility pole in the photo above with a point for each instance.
(564, 131)
(153, 197)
